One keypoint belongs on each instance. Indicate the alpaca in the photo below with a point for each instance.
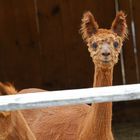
(104, 47)
(12, 124)
(84, 122)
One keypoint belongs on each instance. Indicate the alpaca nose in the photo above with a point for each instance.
(106, 53)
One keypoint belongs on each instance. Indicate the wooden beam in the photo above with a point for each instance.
(70, 97)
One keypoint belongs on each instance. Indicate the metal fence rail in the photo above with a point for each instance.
(69, 97)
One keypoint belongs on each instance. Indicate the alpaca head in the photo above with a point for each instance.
(104, 45)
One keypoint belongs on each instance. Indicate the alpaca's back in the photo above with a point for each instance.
(56, 123)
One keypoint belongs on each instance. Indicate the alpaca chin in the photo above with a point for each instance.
(104, 64)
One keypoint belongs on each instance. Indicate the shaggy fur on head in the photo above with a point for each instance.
(89, 26)
(103, 38)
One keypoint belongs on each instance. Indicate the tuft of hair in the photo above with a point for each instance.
(88, 26)
(7, 89)
(119, 25)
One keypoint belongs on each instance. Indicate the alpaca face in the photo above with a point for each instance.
(104, 45)
(104, 48)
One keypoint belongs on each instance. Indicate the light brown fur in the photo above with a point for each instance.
(12, 124)
(55, 123)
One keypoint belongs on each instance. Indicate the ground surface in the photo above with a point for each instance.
(127, 131)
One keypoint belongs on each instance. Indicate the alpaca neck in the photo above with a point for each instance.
(103, 77)
(97, 125)
(102, 112)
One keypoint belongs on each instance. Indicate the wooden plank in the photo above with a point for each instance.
(129, 110)
(136, 7)
(70, 97)
(53, 51)
(20, 50)
(79, 66)
(129, 58)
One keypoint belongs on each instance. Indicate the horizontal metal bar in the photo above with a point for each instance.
(70, 97)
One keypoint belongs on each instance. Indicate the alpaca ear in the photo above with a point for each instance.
(119, 25)
(89, 26)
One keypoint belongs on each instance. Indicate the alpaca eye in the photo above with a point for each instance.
(116, 44)
(94, 45)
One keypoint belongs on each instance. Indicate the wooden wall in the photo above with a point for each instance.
(40, 45)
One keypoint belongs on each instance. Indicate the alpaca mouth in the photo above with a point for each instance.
(105, 61)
